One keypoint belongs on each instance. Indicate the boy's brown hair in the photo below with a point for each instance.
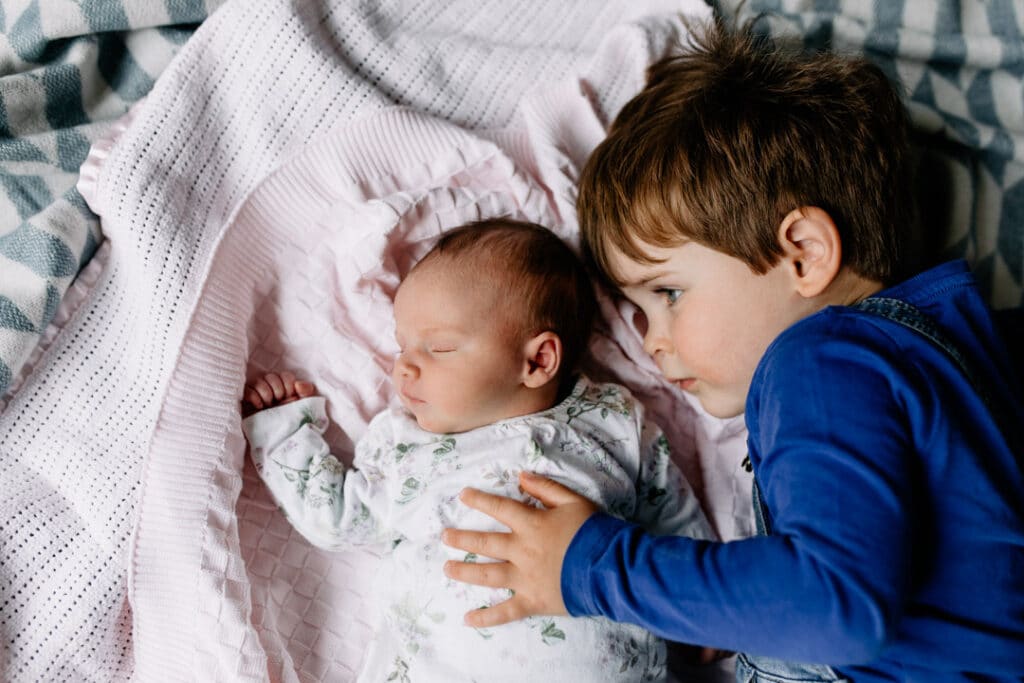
(727, 138)
(546, 284)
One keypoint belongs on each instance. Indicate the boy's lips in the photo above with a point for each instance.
(685, 384)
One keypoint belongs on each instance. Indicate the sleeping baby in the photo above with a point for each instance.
(491, 325)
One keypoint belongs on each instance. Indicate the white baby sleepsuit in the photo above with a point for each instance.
(403, 490)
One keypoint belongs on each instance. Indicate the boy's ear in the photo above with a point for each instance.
(543, 359)
(812, 250)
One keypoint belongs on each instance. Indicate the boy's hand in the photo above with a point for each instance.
(273, 389)
(532, 551)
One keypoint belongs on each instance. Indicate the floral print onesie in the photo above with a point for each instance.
(403, 490)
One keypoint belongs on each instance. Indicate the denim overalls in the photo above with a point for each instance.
(751, 669)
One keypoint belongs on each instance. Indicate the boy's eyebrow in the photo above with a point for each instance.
(642, 282)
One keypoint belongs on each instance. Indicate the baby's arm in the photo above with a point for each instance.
(666, 503)
(332, 508)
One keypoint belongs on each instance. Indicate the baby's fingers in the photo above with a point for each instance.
(263, 391)
(252, 397)
(304, 389)
(277, 385)
(287, 384)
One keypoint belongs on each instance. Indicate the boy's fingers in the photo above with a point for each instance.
(489, 574)
(549, 492)
(493, 544)
(508, 511)
(502, 613)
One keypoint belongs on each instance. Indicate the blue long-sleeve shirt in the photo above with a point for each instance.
(896, 507)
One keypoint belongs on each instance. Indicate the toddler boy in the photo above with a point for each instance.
(755, 206)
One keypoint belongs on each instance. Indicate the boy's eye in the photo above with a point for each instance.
(671, 295)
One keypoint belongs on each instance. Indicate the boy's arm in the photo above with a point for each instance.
(768, 594)
(330, 507)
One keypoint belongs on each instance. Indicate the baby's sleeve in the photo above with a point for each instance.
(331, 507)
(666, 503)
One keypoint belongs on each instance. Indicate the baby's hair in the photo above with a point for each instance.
(733, 133)
(546, 284)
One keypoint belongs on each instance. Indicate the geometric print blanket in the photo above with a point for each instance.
(961, 66)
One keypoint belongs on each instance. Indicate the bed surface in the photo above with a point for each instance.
(74, 465)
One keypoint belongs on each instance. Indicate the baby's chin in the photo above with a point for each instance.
(439, 426)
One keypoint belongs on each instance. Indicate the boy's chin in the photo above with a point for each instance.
(721, 407)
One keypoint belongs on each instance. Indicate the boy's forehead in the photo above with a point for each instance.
(646, 264)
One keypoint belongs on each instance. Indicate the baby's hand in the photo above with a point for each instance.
(273, 390)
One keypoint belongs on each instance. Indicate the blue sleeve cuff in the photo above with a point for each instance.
(589, 543)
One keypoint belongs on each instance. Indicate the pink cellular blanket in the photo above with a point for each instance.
(261, 208)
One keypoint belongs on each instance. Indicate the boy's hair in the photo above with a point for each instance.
(546, 286)
(728, 138)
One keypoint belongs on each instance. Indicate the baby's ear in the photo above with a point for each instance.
(543, 355)
(812, 250)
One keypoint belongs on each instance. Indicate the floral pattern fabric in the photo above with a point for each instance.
(403, 490)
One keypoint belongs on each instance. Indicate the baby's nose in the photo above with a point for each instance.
(403, 368)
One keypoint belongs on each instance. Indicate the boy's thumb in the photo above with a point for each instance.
(549, 492)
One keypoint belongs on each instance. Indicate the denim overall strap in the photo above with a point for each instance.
(911, 317)
(761, 523)
(751, 669)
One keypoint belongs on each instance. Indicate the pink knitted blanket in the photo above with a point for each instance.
(261, 209)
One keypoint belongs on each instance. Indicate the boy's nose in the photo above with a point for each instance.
(655, 343)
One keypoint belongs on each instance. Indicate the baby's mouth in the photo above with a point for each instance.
(412, 400)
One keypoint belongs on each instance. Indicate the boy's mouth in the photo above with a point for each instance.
(685, 384)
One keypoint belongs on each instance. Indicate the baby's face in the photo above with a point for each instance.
(458, 366)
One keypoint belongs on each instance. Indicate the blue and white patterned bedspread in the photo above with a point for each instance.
(961, 64)
(67, 70)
